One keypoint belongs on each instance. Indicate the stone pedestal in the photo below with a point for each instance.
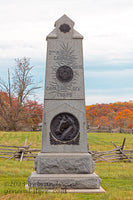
(64, 161)
(64, 181)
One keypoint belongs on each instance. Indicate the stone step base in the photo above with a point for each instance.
(100, 190)
(64, 181)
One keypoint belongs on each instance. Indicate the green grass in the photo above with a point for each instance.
(102, 141)
(117, 178)
(18, 138)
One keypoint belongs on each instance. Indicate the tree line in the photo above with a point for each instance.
(113, 115)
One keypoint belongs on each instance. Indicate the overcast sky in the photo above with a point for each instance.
(107, 27)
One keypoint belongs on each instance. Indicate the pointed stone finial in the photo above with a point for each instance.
(64, 29)
(64, 19)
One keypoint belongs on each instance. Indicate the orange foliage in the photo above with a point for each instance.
(124, 117)
(124, 114)
(102, 121)
(31, 112)
(34, 112)
(114, 115)
(130, 126)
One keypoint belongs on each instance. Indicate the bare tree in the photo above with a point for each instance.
(17, 89)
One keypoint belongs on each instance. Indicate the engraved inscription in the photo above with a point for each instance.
(64, 129)
(62, 91)
(64, 72)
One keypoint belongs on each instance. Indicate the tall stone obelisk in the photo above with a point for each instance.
(64, 161)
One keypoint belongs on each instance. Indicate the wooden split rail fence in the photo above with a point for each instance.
(26, 153)
(115, 155)
(18, 152)
(101, 129)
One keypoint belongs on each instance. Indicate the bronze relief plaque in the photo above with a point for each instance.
(64, 74)
(64, 129)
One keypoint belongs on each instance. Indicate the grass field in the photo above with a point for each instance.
(117, 178)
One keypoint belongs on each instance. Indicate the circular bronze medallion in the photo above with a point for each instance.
(64, 74)
(64, 28)
(64, 127)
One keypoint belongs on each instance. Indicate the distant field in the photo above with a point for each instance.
(18, 138)
(96, 141)
(117, 178)
(102, 141)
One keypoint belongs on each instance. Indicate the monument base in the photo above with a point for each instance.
(64, 181)
(100, 190)
(64, 163)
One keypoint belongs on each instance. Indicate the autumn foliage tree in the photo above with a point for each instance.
(33, 112)
(14, 94)
(124, 118)
(111, 115)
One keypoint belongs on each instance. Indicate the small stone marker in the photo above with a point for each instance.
(64, 161)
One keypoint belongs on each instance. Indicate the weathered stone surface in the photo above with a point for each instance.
(64, 50)
(64, 85)
(64, 163)
(59, 190)
(53, 108)
(64, 181)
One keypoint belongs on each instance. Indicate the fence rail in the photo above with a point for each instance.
(114, 155)
(18, 152)
(109, 130)
(26, 153)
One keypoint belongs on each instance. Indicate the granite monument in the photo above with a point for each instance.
(64, 161)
